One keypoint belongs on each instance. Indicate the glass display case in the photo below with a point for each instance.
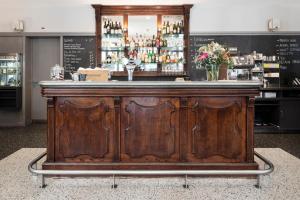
(113, 43)
(157, 36)
(10, 81)
(173, 35)
(10, 70)
(160, 49)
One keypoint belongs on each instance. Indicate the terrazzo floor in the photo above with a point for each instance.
(17, 183)
(34, 136)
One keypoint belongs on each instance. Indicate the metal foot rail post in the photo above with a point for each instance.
(114, 185)
(186, 182)
(43, 185)
(258, 172)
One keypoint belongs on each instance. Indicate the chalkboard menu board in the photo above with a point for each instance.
(286, 47)
(78, 51)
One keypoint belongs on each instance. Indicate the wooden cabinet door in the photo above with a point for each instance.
(150, 129)
(84, 129)
(216, 129)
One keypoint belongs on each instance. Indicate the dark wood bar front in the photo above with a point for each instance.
(150, 125)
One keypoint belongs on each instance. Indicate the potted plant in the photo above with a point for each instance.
(215, 59)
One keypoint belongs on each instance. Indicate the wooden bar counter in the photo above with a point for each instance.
(150, 125)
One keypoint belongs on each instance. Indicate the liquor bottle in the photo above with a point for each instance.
(171, 29)
(161, 42)
(113, 28)
(182, 27)
(174, 28)
(178, 28)
(160, 59)
(117, 29)
(158, 42)
(156, 57)
(140, 41)
(172, 58)
(120, 28)
(108, 59)
(164, 28)
(163, 57)
(165, 43)
(108, 28)
(105, 28)
(168, 28)
(168, 58)
(145, 57)
(151, 56)
(148, 56)
(153, 41)
(150, 41)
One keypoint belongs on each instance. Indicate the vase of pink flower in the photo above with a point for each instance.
(213, 57)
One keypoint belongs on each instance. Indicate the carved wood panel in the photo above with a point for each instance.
(84, 129)
(150, 129)
(217, 129)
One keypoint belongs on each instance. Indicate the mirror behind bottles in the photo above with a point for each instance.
(142, 37)
(142, 25)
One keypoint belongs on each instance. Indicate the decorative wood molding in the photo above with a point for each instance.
(117, 125)
(165, 92)
(142, 9)
(226, 109)
(183, 128)
(250, 128)
(50, 130)
(92, 140)
(152, 127)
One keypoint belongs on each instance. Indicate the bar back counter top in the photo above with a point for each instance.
(150, 125)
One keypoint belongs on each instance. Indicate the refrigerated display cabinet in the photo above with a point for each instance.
(10, 80)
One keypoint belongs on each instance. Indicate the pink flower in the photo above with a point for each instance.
(203, 56)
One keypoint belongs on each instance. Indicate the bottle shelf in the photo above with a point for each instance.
(112, 49)
(173, 49)
(180, 35)
(11, 60)
(149, 63)
(112, 36)
(152, 47)
(163, 63)
(8, 67)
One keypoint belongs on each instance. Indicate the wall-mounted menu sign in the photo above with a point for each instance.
(78, 51)
(286, 47)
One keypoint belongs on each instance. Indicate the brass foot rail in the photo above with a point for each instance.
(32, 167)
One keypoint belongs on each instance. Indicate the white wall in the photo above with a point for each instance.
(244, 15)
(206, 15)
